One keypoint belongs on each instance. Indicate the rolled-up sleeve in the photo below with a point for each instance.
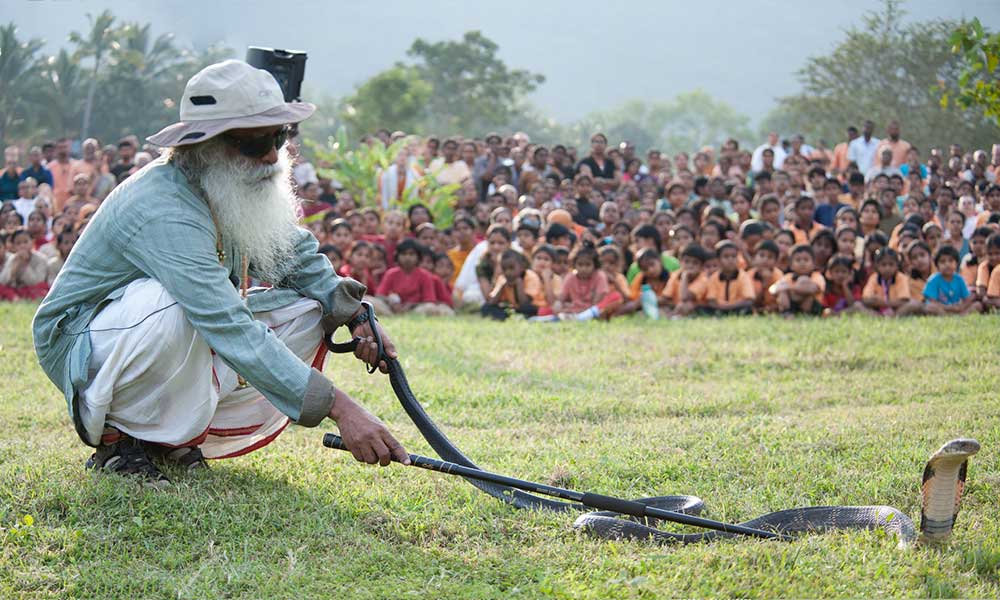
(314, 277)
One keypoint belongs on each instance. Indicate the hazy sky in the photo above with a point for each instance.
(594, 55)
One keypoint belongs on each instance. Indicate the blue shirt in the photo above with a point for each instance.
(944, 291)
(826, 214)
(41, 174)
(8, 186)
(155, 225)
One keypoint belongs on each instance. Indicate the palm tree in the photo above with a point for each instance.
(95, 46)
(19, 80)
(64, 79)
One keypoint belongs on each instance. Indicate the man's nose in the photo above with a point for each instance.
(271, 157)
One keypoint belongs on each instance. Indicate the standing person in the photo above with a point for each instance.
(36, 169)
(862, 149)
(774, 145)
(61, 168)
(899, 147)
(484, 167)
(149, 339)
(11, 174)
(449, 168)
(127, 147)
(839, 163)
(602, 168)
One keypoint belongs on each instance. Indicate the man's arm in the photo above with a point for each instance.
(314, 277)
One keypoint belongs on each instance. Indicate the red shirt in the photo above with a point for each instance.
(443, 291)
(414, 287)
(579, 294)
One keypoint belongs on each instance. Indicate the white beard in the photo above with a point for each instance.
(255, 206)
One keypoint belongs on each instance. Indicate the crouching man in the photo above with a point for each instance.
(150, 329)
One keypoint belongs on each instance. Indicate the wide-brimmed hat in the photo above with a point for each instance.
(229, 95)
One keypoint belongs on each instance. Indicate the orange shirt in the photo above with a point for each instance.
(532, 289)
(635, 288)
(732, 291)
(698, 288)
(899, 289)
(993, 288)
(899, 149)
(761, 288)
(969, 273)
(917, 287)
(802, 236)
(62, 183)
(840, 161)
(457, 257)
(815, 277)
(983, 274)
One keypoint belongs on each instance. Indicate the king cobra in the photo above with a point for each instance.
(943, 484)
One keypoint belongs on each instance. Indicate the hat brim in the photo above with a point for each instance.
(193, 132)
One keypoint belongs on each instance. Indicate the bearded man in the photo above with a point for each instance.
(150, 330)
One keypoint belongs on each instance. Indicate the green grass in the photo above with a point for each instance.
(752, 415)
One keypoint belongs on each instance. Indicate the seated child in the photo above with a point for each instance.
(542, 262)
(340, 235)
(763, 275)
(24, 272)
(986, 267)
(976, 255)
(518, 289)
(407, 287)
(611, 263)
(800, 291)
(527, 238)
(730, 289)
(358, 264)
(652, 273)
(648, 236)
(561, 264)
(921, 268)
(333, 255)
(585, 293)
(843, 294)
(888, 291)
(688, 287)
(443, 270)
(946, 292)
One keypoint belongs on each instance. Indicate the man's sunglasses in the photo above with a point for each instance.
(261, 145)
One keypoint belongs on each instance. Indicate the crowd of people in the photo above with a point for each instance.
(874, 226)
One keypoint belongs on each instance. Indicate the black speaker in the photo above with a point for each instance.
(287, 66)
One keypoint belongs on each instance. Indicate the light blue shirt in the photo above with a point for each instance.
(944, 291)
(155, 225)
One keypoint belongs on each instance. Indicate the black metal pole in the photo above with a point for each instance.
(598, 501)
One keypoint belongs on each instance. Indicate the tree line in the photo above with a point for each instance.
(117, 78)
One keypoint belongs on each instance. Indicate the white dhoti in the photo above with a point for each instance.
(153, 377)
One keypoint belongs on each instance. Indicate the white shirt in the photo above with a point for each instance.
(863, 152)
(24, 207)
(757, 158)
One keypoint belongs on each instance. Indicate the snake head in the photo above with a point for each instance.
(957, 448)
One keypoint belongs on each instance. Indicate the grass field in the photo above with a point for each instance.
(752, 415)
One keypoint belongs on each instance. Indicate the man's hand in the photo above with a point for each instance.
(367, 349)
(364, 434)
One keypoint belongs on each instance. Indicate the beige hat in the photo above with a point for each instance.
(229, 95)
